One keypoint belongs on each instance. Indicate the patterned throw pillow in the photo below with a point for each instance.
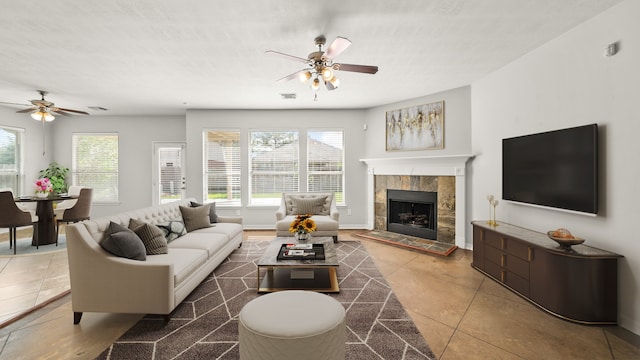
(152, 237)
(195, 217)
(122, 242)
(303, 206)
(172, 229)
(213, 217)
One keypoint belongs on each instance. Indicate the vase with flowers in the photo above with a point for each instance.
(302, 227)
(43, 187)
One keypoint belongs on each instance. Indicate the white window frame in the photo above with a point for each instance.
(18, 185)
(232, 168)
(293, 171)
(311, 173)
(100, 194)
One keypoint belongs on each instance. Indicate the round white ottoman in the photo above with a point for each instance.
(292, 324)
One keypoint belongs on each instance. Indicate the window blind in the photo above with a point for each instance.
(10, 162)
(222, 167)
(273, 165)
(95, 164)
(325, 162)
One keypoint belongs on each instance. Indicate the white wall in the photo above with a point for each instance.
(568, 82)
(457, 125)
(351, 121)
(135, 137)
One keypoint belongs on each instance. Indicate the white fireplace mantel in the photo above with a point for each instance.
(446, 165)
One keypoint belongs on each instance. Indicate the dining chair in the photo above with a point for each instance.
(12, 217)
(74, 191)
(80, 211)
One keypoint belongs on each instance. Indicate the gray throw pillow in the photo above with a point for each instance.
(122, 242)
(303, 206)
(172, 229)
(152, 237)
(213, 217)
(195, 218)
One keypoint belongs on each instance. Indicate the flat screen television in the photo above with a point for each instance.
(556, 169)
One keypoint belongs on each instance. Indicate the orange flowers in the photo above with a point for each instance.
(303, 224)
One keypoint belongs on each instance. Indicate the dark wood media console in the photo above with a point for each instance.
(579, 284)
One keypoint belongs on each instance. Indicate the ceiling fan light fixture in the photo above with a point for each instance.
(335, 82)
(315, 85)
(42, 116)
(304, 76)
(327, 73)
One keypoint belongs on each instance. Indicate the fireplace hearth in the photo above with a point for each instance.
(412, 213)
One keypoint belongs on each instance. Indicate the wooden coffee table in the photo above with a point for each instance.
(315, 275)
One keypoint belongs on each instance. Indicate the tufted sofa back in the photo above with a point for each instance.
(152, 214)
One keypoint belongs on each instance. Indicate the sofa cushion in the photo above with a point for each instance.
(231, 230)
(195, 217)
(323, 223)
(213, 217)
(152, 237)
(210, 242)
(326, 207)
(185, 262)
(302, 206)
(122, 242)
(172, 229)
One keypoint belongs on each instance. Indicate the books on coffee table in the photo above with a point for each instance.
(301, 252)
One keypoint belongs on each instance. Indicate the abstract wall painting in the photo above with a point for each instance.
(416, 128)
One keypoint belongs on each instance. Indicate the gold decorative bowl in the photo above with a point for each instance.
(565, 242)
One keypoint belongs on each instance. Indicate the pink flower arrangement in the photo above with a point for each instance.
(43, 186)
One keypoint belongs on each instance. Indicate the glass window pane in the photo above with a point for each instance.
(325, 161)
(10, 160)
(95, 164)
(222, 167)
(273, 165)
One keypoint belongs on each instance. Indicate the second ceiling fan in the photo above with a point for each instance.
(320, 66)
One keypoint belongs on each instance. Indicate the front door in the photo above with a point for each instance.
(169, 183)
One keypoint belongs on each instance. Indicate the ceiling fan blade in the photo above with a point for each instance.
(27, 110)
(336, 48)
(287, 56)
(356, 68)
(291, 76)
(59, 112)
(57, 109)
(10, 103)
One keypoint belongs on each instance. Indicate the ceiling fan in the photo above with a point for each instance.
(320, 65)
(41, 109)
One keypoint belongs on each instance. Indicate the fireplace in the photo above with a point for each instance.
(412, 213)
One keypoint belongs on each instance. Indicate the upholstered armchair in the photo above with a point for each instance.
(322, 206)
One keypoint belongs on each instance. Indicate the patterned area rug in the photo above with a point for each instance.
(24, 247)
(205, 325)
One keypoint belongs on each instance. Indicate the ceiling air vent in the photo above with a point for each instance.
(98, 108)
(289, 96)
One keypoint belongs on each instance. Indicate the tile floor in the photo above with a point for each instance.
(461, 313)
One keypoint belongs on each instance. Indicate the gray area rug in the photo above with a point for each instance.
(205, 325)
(24, 247)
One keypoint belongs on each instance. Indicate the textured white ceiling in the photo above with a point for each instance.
(153, 56)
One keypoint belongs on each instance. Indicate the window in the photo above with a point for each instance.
(11, 159)
(273, 165)
(222, 167)
(325, 159)
(95, 164)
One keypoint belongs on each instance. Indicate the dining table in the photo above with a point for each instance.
(46, 229)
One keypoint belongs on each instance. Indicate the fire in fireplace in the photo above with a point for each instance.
(412, 213)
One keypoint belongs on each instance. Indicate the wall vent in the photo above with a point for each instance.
(288, 96)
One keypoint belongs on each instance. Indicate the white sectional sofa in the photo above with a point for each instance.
(103, 282)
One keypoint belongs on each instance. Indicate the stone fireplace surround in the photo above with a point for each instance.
(418, 172)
